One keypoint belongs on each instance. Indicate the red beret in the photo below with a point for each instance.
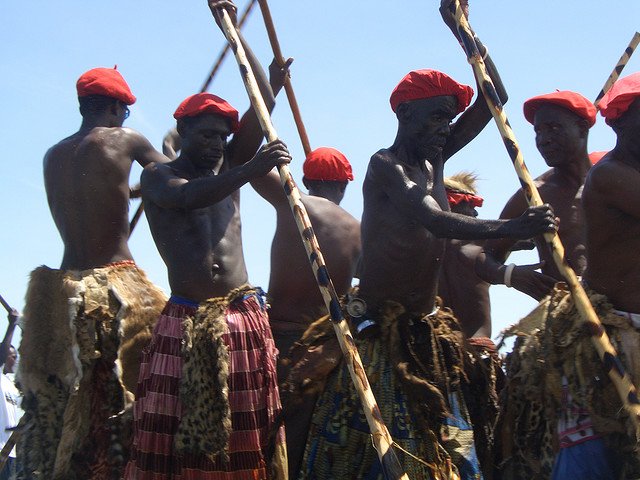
(595, 157)
(327, 164)
(622, 94)
(107, 82)
(421, 84)
(201, 103)
(570, 100)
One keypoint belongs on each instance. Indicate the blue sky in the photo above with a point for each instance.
(348, 57)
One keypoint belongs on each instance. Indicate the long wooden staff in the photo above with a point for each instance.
(225, 49)
(599, 338)
(204, 88)
(6, 306)
(380, 435)
(619, 67)
(288, 88)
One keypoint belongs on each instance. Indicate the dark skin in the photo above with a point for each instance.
(194, 213)
(561, 138)
(459, 286)
(86, 178)
(7, 351)
(612, 213)
(406, 216)
(293, 293)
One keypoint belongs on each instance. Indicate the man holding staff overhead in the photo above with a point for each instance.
(85, 324)
(207, 399)
(414, 353)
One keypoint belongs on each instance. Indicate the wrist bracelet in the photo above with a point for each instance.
(507, 274)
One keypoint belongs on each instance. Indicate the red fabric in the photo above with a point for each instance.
(107, 82)
(327, 164)
(420, 84)
(622, 94)
(456, 197)
(253, 399)
(201, 103)
(595, 157)
(570, 100)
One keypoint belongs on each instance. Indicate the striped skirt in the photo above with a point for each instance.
(252, 395)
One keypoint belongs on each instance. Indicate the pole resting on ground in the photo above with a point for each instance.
(611, 362)
(380, 435)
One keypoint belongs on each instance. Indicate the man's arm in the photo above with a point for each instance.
(416, 202)
(247, 140)
(490, 261)
(142, 150)
(162, 187)
(5, 346)
(171, 144)
(476, 117)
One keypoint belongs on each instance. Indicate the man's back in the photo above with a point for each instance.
(86, 178)
(293, 292)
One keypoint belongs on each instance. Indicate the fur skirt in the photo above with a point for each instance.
(81, 345)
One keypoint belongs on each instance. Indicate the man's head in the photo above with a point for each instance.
(620, 107)
(425, 102)
(104, 92)
(10, 363)
(462, 194)
(326, 172)
(561, 121)
(204, 121)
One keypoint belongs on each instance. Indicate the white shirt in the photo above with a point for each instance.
(10, 411)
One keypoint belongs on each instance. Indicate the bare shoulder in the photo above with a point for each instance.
(381, 164)
(608, 173)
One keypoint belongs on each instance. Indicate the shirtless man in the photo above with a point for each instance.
(219, 390)
(405, 223)
(90, 319)
(459, 286)
(561, 121)
(293, 292)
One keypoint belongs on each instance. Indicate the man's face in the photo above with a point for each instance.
(11, 360)
(205, 139)
(430, 123)
(465, 208)
(631, 120)
(559, 136)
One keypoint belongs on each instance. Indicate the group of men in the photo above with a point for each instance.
(119, 381)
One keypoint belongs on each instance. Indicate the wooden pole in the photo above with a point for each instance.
(380, 435)
(288, 88)
(136, 217)
(6, 306)
(225, 49)
(619, 67)
(612, 364)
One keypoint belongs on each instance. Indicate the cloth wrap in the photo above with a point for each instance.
(81, 344)
(419, 369)
(552, 342)
(207, 400)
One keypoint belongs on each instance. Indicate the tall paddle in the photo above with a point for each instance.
(288, 88)
(6, 306)
(599, 338)
(619, 67)
(204, 88)
(380, 435)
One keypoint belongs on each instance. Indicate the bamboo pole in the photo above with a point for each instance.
(624, 59)
(606, 352)
(380, 435)
(288, 88)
